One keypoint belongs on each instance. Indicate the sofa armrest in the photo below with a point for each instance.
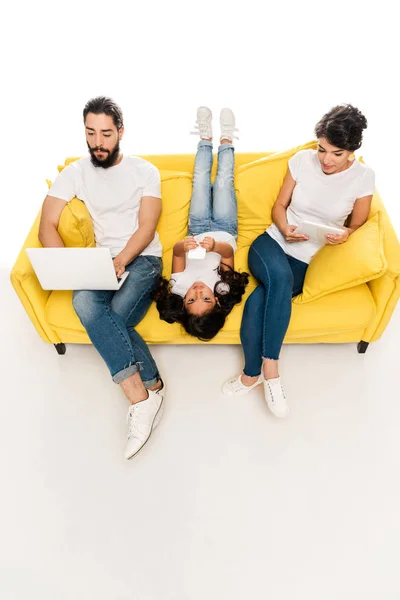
(386, 292)
(29, 290)
(391, 245)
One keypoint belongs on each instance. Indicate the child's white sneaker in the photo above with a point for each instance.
(228, 125)
(235, 387)
(203, 126)
(275, 397)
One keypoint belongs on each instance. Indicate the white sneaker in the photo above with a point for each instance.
(142, 418)
(203, 126)
(275, 397)
(235, 387)
(228, 125)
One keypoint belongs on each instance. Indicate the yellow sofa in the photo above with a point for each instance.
(350, 291)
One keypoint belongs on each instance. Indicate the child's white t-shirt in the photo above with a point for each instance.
(321, 198)
(205, 269)
(112, 197)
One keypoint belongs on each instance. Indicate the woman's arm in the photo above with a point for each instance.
(360, 213)
(358, 217)
(282, 202)
(279, 209)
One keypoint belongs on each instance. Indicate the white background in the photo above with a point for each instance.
(280, 67)
(225, 502)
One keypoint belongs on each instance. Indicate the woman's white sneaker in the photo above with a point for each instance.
(235, 387)
(275, 397)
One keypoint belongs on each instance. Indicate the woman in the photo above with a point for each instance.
(326, 186)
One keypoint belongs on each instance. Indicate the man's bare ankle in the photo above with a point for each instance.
(156, 387)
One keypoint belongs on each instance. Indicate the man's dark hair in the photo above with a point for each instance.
(343, 127)
(103, 105)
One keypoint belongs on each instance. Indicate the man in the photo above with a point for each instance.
(122, 194)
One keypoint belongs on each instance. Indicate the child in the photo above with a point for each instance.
(203, 291)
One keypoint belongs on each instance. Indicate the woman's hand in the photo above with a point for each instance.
(334, 240)
(290, 236)
(189, 243)
(208, 243)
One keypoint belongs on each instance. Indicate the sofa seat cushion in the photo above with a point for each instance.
(344, 311)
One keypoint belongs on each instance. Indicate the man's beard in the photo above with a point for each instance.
(112, 156)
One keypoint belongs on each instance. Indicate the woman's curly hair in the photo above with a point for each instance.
(206, 326)
(343, 127)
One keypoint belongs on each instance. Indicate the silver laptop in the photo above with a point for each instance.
(75, 268)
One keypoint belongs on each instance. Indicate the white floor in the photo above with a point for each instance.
(224, 503)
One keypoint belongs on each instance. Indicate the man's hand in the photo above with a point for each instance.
(334, 240)
(208, 243)
(290, 236)
(189, 243)
(119, 265)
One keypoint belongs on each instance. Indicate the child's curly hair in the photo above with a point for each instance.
(206, 326)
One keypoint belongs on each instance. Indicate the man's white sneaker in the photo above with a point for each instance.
(142, 418)
(275, 397)
(235, 387)
(203, 126)
(228, 125)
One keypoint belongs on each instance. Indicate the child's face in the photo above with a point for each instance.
(199, 299)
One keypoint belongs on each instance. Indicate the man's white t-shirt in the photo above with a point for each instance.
(205, 269)
(321, 198)
(112, 197)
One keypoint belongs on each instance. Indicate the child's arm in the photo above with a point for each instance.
(227, 262)
(223, 248)
(178, 256)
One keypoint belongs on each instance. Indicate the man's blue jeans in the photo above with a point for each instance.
(268, 309)
(213, 207)
(109, 318)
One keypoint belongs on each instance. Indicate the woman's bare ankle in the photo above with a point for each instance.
(246, 380)
(270, 368)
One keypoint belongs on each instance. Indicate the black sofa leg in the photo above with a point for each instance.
(61, 349)
(362, 347)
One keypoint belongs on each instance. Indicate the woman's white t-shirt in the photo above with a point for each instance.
(321, 198)
(205, 269)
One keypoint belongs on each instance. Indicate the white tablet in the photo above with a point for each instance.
(316, 231)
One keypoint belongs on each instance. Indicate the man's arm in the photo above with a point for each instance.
(149, 214)
(51, 213)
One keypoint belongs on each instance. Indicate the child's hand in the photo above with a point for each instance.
(189, 243)
(208, 243)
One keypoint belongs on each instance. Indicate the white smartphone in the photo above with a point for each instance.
(316, 232)
(197, 253)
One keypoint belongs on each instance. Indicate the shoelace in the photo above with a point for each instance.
(272, 395)
(236, 384)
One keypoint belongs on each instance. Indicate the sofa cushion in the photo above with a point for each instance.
(345, 311)
(75, 225)
(257, 185)
(358, 260)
